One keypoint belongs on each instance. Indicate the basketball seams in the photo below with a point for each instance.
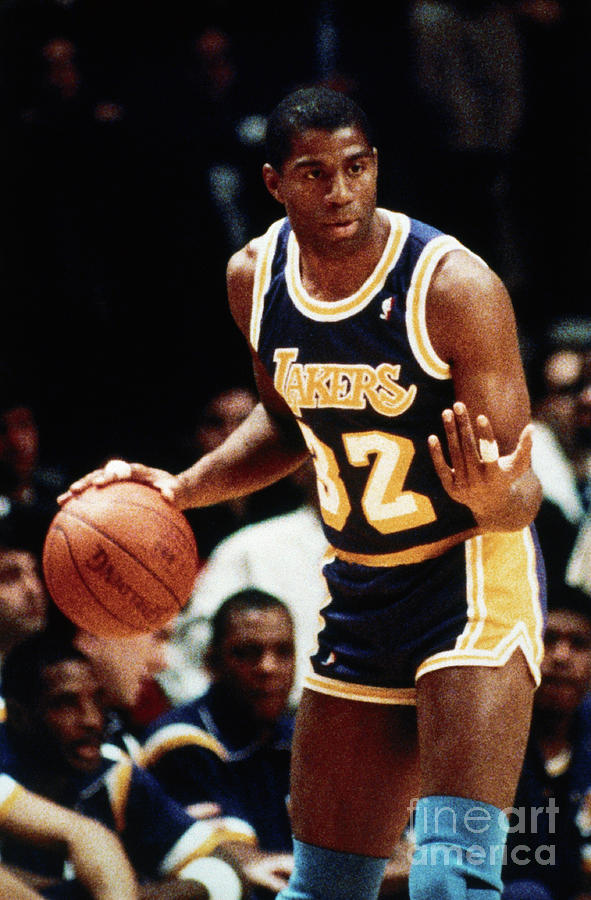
(104, 534)
(181, 527)
(120, 555)
(58, 529)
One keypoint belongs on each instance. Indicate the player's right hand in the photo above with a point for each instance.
(120, 470)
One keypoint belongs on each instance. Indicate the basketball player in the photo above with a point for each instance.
(378, 345)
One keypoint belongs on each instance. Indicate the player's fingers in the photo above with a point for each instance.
(520, 460)
(454, 444)
(487, 444)
(114, 470)
(441, 467)
(80, 485)
(466, 436)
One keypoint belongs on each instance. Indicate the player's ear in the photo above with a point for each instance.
(272, 182)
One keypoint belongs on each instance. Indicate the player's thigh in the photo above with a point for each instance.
(473, 724)
(354, 773)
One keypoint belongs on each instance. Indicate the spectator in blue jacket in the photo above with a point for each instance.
(549, 846)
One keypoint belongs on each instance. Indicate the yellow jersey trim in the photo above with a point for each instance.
(361, 692)
(416, 306)
(265, 246)
(334, 310)
(172, 737)
(118, 781)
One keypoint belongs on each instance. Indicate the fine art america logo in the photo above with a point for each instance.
(477, 821)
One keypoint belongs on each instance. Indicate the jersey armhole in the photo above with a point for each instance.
(265, 247)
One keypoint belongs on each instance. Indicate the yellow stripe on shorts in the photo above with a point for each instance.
(504, 611)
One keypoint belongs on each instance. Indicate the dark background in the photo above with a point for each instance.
(130, 170)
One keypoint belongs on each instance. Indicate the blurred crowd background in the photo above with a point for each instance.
(131, 153)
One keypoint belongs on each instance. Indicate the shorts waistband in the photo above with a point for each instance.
(404, 557)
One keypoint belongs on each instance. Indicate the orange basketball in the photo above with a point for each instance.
(120, 559)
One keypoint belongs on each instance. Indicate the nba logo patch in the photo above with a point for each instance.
(387, 307)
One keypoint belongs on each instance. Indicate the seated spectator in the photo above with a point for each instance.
(23, 598)
(281, 556)
(561, 454)
(51, 743)
(126, 668)
(560, 386)
(95, 853)
(232, 746)
(549, 845)
(28, 489)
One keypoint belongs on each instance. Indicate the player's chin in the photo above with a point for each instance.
(269, 707)
(85, 757)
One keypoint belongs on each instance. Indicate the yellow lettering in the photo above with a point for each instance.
(284, 358)
(332, 386)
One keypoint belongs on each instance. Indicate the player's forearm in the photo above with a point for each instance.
(101, 864)
(258, 453)
(12, 886)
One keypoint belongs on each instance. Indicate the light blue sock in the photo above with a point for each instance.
(321, 874)
(459, 850)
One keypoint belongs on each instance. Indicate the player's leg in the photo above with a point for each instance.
(473, 727)
(354, 774)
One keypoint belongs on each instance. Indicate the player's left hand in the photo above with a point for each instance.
(478, 477)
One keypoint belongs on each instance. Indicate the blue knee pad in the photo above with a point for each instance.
(320, 874)
(459, 850)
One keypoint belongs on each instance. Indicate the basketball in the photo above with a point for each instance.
(120, 559)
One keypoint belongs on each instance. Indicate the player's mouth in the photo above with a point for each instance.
(87, 752)
(343, 229)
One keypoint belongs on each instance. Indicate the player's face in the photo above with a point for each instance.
(566, 669)
(72, 711)
(23, 601)
(328, 187)
(257, 661)
(19, 442)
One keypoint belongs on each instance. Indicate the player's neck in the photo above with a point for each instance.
(334, 275)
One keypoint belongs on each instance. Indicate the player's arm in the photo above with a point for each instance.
(96, 853)
(12, 886)
(268, 445)
(264, 448)
(472, 327)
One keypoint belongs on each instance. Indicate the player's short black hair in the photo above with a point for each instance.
(315, 107)
(26, 662)
(245, 600)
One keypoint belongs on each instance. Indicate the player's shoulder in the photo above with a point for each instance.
(242, 265)
(461, 268)
(240, 277)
